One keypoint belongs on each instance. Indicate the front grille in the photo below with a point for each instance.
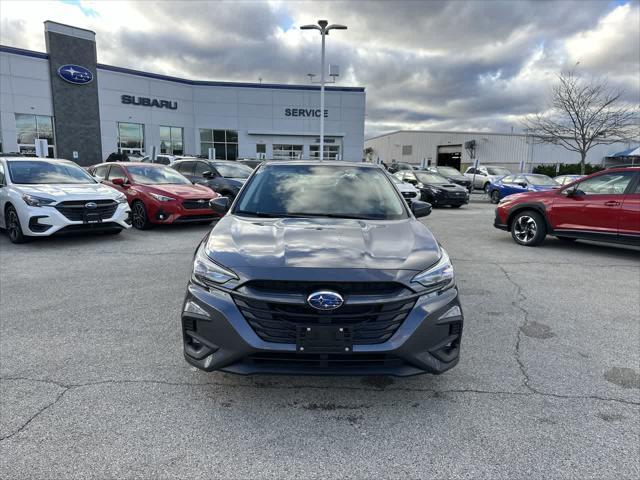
(75, 210)
(276, 320)
(196, 204)
(195, 218)
(358, 360)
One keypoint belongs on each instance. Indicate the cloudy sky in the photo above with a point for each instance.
(448, 65)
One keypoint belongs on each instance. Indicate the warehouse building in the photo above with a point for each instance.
(514, 151)
(84, 110)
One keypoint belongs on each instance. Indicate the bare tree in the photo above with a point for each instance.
(581, 115)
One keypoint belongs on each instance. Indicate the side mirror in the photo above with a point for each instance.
(208, 174)
(118, 181)
(220, 205)
(523, 184)
(420, 209)
(572, 192)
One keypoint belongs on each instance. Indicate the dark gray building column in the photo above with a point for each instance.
(75, 106)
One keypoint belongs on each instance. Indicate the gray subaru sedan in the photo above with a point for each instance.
(321, 268)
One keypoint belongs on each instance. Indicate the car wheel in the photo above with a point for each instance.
(14, 229)
(567, 239)
(486, 188)
(140, 217)
(495, 196)
(528, 228)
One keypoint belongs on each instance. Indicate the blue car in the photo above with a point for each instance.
(525, 182)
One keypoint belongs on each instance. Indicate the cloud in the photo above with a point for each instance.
(425, 65)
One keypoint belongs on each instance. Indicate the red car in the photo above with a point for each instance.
(604, 207)
(157, 194)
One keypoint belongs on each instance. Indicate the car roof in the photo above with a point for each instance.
(334, 163)
(37, 159)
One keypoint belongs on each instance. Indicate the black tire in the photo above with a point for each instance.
(140, 218)
(495, 196)
(567, 239)
(12, 224)
(528, 228)
(486, 188)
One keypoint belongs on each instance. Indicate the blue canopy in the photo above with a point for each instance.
(632, 152)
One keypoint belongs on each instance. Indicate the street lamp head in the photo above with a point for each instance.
(323, 23)
(309, 27)
(335, 26)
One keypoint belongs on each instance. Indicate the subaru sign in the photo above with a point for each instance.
(75, 74)
(325, 300)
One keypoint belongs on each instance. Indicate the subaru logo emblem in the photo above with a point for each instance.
(325, 300)
(75, 74)
(90, 205)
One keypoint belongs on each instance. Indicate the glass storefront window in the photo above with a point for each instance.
(330, 152)
(30, 127)
(130, 137)
(224, 141)
(171, 140)
(287, 152)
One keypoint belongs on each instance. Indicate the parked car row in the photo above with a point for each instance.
(434, 188)
(604, 206)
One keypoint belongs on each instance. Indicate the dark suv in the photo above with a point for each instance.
(221, 176)
(321, 268)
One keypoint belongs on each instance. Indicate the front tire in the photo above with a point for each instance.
(140, 217)
(495, 196)
(14, 229)
(528, 228)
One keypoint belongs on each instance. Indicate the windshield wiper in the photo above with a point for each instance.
(336, 215)
(264, 214)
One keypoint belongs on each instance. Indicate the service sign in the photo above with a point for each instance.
(75, 74)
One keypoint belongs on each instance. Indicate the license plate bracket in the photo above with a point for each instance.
(324, 339)
(92, 217)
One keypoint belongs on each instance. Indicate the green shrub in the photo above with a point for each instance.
(566, 169)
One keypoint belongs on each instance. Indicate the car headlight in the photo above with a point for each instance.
(439, 276)
(34, 201)
(420, 185)
(121, 198)
(161, 198)
(207, 273)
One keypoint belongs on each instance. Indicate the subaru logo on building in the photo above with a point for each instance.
(75, 74)
(325, 300)
(90, 205)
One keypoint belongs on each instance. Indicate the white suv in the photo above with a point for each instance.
(40, 197)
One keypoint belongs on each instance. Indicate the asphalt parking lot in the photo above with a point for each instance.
(94, 384)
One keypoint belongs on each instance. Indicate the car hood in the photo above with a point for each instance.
(456, 178)
(543, 188)
(530, 195)
(60, 193)
(322, 243)
(449, 187)
(406, 187)
(182, 191)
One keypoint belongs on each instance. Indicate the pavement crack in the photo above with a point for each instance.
(38, 413)
(520, 297)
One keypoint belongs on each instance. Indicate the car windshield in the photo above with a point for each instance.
(33, 172)
(320, 191)
(233, 170)
(540, 180)
(448, 171)
(498, 171)
(155, 175)
(428, 177)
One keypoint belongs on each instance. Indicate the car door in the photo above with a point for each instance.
(629, 218)
(101, 171)
(513, 184)
(592, 206)
(212, 180)
(186, 169)
(3, 195)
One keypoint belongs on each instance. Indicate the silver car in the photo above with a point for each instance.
(485, 174)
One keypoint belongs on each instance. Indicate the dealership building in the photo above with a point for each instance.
(84, 110)
(512, 150)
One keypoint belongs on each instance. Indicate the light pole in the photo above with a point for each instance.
(324, 28)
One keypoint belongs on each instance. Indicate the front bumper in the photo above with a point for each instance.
(217, 337)
(445, 199)
(46, 221)
(500, 220)
(174, 212)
